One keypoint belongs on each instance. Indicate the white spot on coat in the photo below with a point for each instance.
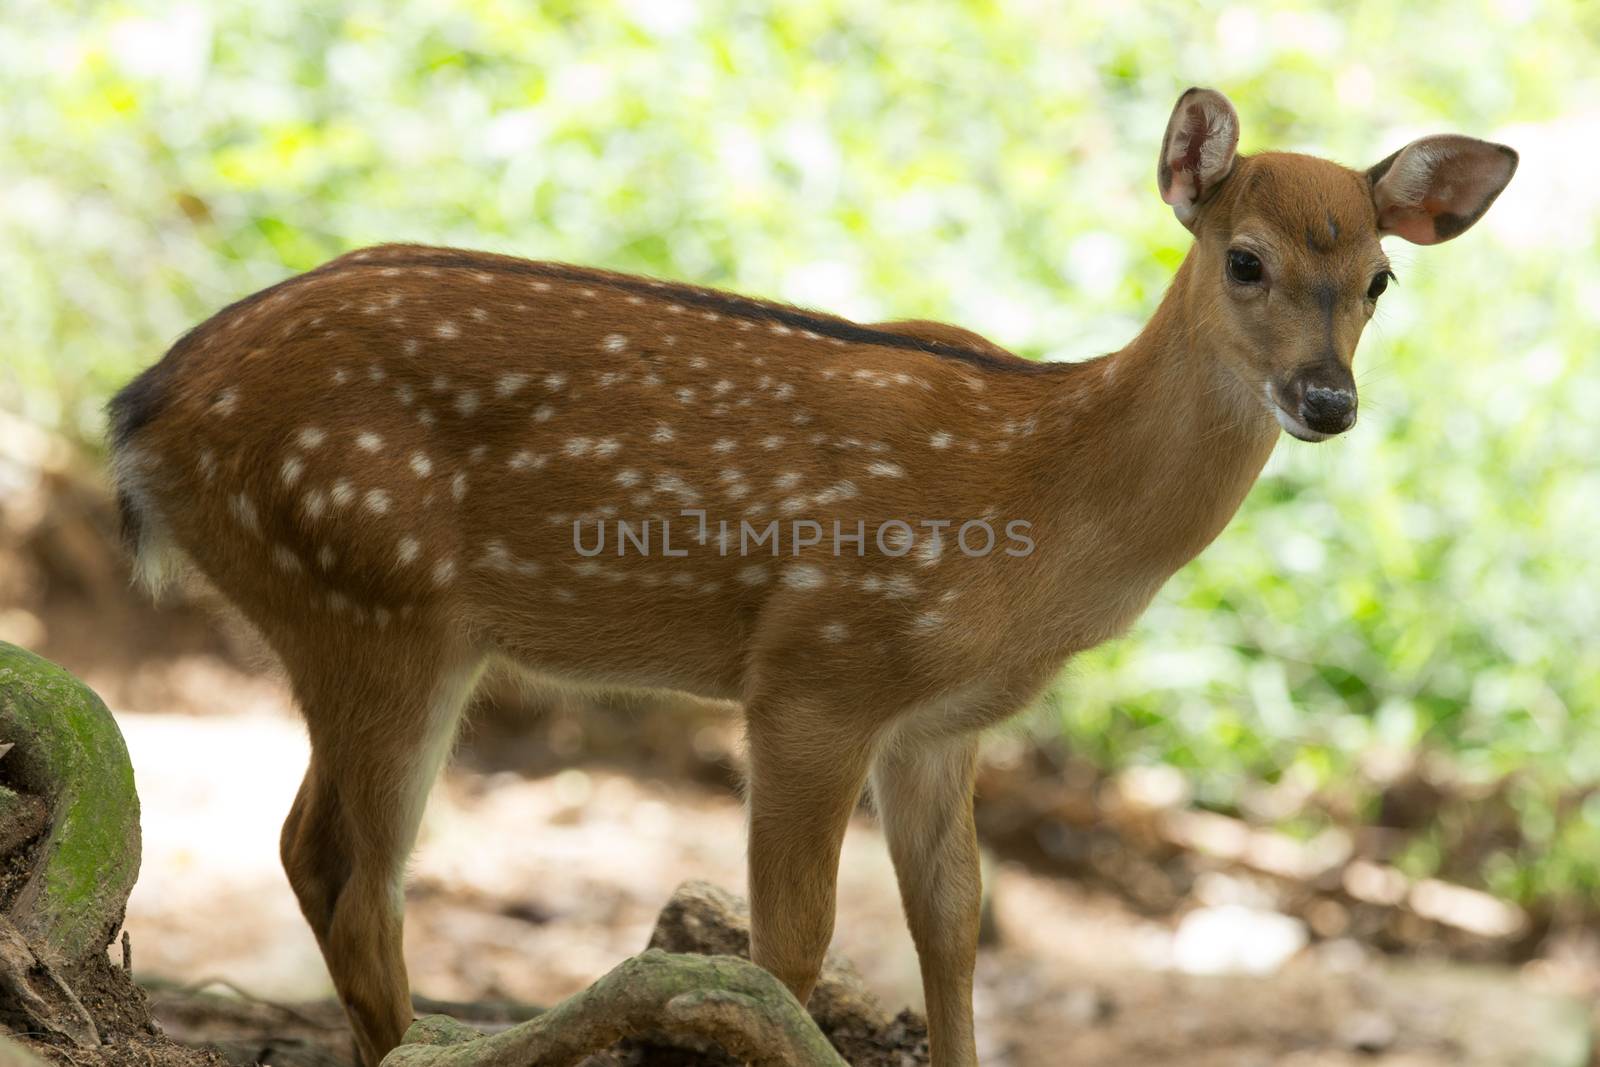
(292, 469)
(524, 460)
(368, 442)
(836, 492)
(447, 331)
(804, 576)
(377, 501)
(245, 511)
(407, 549)
(899, 587)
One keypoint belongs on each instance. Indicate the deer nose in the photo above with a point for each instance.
(1328, 410)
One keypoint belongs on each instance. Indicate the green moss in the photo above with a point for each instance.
(70, 751)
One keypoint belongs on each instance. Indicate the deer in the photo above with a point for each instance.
(878, 540)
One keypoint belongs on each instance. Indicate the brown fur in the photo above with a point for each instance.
(380, 462)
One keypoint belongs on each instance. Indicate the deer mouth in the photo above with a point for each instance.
(1289, 420)
(1297, 429)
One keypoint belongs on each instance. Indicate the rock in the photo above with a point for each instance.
(710, 921)
(706, 919)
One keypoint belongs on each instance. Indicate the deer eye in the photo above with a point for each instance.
(1244, 267)
(1380, 282)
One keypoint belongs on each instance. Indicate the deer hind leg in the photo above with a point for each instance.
(381, 724)
(807, 769)
(923, 792)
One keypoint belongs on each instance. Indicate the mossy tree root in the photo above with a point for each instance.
(731, 1001)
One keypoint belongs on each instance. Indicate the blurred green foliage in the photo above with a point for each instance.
(1425, 584)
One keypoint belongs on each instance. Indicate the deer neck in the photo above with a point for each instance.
(1150, 450)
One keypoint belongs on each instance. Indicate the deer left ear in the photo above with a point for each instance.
(1436, 187)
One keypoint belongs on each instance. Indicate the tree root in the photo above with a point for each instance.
(31, 991)
(731, 1001)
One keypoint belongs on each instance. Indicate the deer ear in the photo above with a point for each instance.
(1197, 152)
(1436, 187)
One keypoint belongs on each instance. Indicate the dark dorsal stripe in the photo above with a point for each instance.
(139, 402)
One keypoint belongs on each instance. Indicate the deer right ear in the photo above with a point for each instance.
(1197, 152)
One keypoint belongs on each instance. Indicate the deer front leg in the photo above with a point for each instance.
(923, 793)
(807, 770)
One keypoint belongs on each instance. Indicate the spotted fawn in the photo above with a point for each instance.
(877, 539)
